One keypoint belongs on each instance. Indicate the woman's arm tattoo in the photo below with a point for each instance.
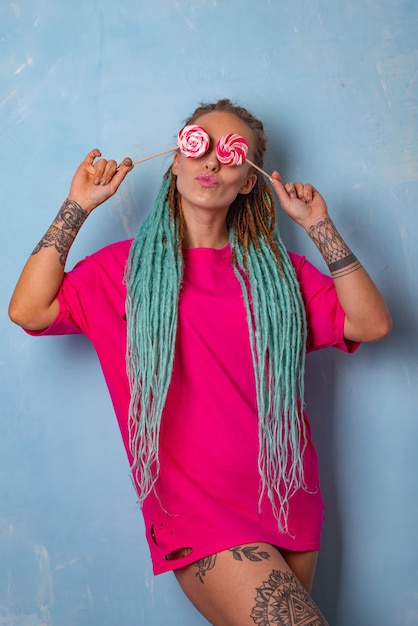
(337, 255)
(63, 229)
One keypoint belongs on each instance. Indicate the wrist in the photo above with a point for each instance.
(80, 205)
(318, 221)
(72, 215)
(336, 254)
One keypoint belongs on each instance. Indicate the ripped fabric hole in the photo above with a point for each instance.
(180, 553)
(152, 532)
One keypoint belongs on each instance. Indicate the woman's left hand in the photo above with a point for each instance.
(302, 202)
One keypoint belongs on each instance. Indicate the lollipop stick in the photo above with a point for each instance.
(152, 156)
(259, 169)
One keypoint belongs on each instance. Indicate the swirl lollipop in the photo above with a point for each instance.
(232, 149)
(193, 141)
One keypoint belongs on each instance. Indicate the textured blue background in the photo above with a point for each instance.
(336, 84)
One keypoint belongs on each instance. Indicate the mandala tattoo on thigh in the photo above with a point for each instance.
(204, 565)
(282, 601)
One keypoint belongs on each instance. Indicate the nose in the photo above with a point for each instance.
(211, 162)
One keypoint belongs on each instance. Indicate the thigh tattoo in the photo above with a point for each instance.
(239, 553)
(282, 600)
(251, 553)
(204, 565)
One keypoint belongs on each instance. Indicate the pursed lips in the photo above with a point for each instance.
(206, 180)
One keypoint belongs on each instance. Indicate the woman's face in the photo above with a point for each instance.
(205, 183)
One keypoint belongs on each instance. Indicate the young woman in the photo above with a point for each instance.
(216, 317)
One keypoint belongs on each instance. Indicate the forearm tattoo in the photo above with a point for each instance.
(63, 229)
(337, 255)
(283, 600)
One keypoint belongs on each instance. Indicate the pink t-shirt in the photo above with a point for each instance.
(207, 494)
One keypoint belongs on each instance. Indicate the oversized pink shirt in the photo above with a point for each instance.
(207, 494)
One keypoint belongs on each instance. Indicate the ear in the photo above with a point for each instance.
(175, 166)
(249, 184)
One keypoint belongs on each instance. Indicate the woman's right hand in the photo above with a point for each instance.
(96, 181)
(34, 303)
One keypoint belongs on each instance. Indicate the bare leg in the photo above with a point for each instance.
(246, 586)
(303, 564)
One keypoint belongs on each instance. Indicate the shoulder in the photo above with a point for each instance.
(110, 260)
(103, 267)
(115, 253)
(307, 274)
(297, 260)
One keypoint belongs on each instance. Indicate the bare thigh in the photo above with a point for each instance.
(303, 564)
(247, 585)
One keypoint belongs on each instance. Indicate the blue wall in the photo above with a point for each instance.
(336, 84)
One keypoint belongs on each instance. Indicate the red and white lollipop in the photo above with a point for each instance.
(232, 149)
(193, 141)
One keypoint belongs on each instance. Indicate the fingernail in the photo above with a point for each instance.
(103, 181)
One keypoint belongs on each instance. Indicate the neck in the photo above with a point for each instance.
(203, 231)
